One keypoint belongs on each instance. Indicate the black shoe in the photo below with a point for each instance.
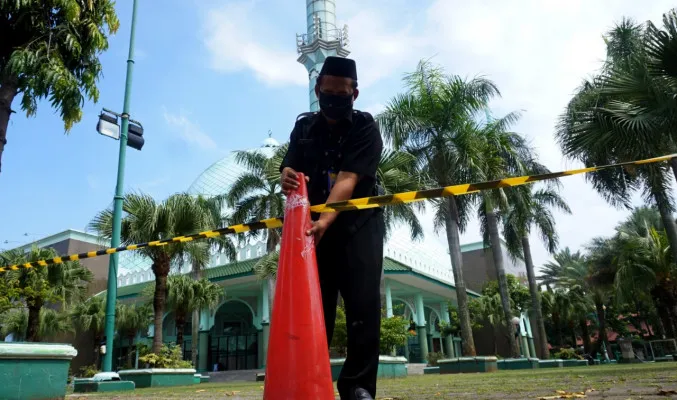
(361, 394)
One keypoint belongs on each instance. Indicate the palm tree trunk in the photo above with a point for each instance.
(454, 242)
(180, 326)
(666, 328)
(492, 222)
(495, 329)
(33, 322)
(574, 339)
(161, 270)
(130, 352)
(601, 318)
(558, 330)
(97, 356)
(197, 275)
(583, 323)
(8, 91)
(271, 244)
(535, 299)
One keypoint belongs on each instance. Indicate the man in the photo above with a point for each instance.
(339, 149)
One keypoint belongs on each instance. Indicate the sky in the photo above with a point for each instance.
(213, 76)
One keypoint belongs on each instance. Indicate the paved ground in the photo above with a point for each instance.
(618, 382)
(234, 376)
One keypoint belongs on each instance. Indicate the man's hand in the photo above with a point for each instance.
(319, 228)
(290, 180)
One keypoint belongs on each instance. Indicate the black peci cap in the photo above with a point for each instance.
(339, 66)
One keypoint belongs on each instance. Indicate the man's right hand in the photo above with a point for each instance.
(289, 180)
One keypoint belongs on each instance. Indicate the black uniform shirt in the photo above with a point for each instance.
(317, 148)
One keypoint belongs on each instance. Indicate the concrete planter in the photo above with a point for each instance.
(34, 370)
(199, 378)
(388, 367)
(550, 363)
(431, 370)
(569, 363)
(517, 363)
(157, 377)
(90, 386)
(464, 365)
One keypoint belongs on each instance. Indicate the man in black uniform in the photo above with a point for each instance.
(339, 150)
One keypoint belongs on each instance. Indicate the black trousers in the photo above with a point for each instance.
(352, 264)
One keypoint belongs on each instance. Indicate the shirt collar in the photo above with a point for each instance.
(345, 123)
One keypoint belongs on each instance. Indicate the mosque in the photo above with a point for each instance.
(418, 279)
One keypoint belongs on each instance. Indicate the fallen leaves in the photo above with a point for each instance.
(563, 394)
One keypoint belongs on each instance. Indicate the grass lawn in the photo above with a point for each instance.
(637, 381)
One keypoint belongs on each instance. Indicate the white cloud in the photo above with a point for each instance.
(382, 46)
(188, 131)
(230, 35)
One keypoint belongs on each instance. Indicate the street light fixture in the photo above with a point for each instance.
(108, 126)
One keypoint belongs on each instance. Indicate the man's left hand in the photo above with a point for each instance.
(318, 229)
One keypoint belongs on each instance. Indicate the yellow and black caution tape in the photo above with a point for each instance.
(348, 205)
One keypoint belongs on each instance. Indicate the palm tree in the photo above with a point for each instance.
(504, 154)
(644, 265)
(257, 194)
(397, 172)
(90, 317)
(146, 220)
(214, 209)
(529, 209)
(14, 322)
(184, 295)
(433, 121)
(553, 271)
(63, 284)
(50, 323)
(130, 320)
(592, 276)
(490, 310)
(623, 114)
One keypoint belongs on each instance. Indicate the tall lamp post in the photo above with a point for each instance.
(132, 136)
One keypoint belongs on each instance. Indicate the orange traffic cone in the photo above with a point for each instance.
(297, 365)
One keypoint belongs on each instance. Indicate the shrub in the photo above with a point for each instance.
(567, 354)
(88, 371)
(393, 333)
(170, 357)
(433, 358)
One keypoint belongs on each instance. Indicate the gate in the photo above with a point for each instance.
(233, 352)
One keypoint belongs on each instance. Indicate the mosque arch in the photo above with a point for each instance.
(234, 317)
(434, 318)
(236, 300)
(408, 307)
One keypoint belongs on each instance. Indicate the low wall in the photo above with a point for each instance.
(34, 371)
(157, 377)
(388, 367)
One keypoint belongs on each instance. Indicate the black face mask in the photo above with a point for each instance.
(336, 107)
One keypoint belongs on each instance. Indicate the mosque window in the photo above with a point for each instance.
(249, 253)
